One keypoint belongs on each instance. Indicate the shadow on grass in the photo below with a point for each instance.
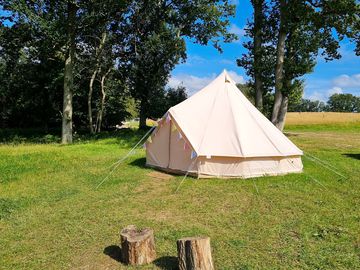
(114, 252)
(291, 134)
(167, 263)
(354, 156)
(140, 162)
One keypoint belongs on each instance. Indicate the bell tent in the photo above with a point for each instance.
(217, 132)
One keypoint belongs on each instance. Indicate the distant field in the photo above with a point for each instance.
(315, 118)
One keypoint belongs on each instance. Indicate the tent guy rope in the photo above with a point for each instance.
(136, 145)
(187, 172)
(121, 160)
(323, 164)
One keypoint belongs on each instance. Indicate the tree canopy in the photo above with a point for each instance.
(90, 64)
(286, 38)
(80, 62)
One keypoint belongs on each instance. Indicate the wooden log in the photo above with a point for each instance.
(137, 245)
(194, 253)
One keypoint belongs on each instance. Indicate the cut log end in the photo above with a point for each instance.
(137, 245)
(194, 253)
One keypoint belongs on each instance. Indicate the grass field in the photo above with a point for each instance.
(52, 217)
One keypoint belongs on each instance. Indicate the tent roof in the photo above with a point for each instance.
(220, 121)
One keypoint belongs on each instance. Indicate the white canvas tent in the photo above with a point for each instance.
(217, 132)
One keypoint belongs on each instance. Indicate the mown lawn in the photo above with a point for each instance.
(52, 217)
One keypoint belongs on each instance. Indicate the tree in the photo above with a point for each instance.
(174, 96)
(154, 59)
(307, 105)
(248, 90)
(300, 30)
(268, 98)
(32, 71)
(62, 31)
(165, 24)
(258, 26)
(92, 55)
(308, 27)
(165, 99)
(344, 103)
(102, 40)
(260, 59)
(67, 118)
(46, 18)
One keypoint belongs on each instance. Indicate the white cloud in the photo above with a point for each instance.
(191, 82)
(227, 62)
(347, 81)
(316, 95)
(334, 90)
(197, 60)
(194, 59)
(195, 83)
(322, 89)
(236, 30)
(236, 77)
(240, 32)
(324, 95)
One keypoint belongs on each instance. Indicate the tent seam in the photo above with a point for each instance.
(207, 124)
(235, 123)
(265, 133)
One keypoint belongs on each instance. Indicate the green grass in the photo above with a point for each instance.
(52, 217)
(338, 128)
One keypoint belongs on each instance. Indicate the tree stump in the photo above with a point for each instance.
(194, 253)
(137, 246)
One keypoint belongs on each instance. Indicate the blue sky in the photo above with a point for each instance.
(205, 62)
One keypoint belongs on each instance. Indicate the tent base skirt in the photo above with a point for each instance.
(234, 168)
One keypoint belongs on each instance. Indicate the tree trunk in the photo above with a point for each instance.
(143, 114)
(66, 134)
(91, 84)
(92, 79)
(277, 105)
(137, 246)
(279, 69)
(102, 105)
(3, 111)
(280, 121)
(46, 107)
(258, 21)
(282, 113)
(194, 253)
